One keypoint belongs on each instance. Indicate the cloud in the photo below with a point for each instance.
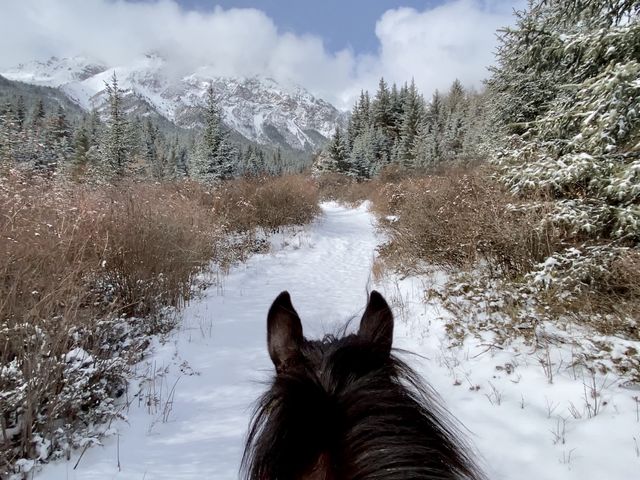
(454, 40)
(435, 46)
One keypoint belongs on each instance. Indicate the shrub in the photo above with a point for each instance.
(459, 219)
(88, 272)
(346, 189)
(270, 203)
(79, 266)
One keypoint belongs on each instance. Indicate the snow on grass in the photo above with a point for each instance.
(190, 403)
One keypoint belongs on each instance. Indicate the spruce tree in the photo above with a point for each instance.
(337, 151)
(20, 112)
(412, 112)
(382, 109)
(38, 114)
(566, 96)
(215, 155)
(116, 144)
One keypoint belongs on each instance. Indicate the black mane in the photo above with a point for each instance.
(346, 408)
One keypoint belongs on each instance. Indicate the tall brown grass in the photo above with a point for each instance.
(268, 203)
(74, 259)
(85, 272)
(460, 218)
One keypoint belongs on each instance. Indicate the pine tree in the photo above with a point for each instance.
(566, 96)
(396, 112)
(20, 112)
(215, 155)
(38, 114)
(427, 148)
(8, 130)
(412, 112)
(382, 109)
(57, 140)
(368, 155)
(456, 111)
(80, 158)
(116, 144)
(337, 151)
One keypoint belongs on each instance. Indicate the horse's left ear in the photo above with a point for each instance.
(284, 332)
(376, 325)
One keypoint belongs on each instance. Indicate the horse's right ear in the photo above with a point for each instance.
(376, 325)
(284, 332)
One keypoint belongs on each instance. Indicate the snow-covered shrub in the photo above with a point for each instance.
(572, 272)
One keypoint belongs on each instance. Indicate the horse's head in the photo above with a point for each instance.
(331, 358)
(346, 407)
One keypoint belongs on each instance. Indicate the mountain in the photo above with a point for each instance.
(259, 109)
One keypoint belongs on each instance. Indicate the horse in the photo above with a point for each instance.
(347, 408)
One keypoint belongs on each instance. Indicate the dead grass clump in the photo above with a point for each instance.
(156, 239)
(461, 219)
(345, 189)
(79, 267)
(270, 203)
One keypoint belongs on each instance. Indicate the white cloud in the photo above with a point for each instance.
(455, 40)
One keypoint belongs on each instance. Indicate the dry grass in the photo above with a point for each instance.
(87, 272)
(73, 261)
(345, 189)
(272, 203)
(459, 219)
(462, 221)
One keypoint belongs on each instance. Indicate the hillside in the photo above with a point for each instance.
(260, 110)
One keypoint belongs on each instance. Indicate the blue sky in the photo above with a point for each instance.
(332, 48)
(340, 23)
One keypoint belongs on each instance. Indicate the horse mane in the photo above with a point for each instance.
(346, 410)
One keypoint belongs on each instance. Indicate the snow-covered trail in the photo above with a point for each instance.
(524, 425)
(219, 355)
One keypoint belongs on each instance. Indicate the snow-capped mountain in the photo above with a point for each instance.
(260, 109)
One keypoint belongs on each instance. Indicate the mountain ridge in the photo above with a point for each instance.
(259, 109)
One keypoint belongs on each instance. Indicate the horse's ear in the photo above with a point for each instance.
(284, 332)
(376, 325)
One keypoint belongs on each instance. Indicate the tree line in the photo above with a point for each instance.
(398, 127)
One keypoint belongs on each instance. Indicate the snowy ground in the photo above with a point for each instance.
(190, 417)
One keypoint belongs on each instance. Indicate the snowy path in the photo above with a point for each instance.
(218, 358)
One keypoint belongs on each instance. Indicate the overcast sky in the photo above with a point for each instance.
(332, 47)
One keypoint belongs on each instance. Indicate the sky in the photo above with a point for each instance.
(333, 48)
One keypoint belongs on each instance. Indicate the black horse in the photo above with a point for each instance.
(346, 408)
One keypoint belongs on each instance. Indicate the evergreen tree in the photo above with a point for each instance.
(116, 144)
(382, 109)
(215, 155)
(412, 112)
(565, 90)
(428, 149)
(20, 112)
(337, 151)
(57, 139)
(38, 114)
(456, 111)
(81, 148)
(396, 112)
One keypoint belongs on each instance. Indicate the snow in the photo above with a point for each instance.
(249, 104)
(191, 413)
(54, 72)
